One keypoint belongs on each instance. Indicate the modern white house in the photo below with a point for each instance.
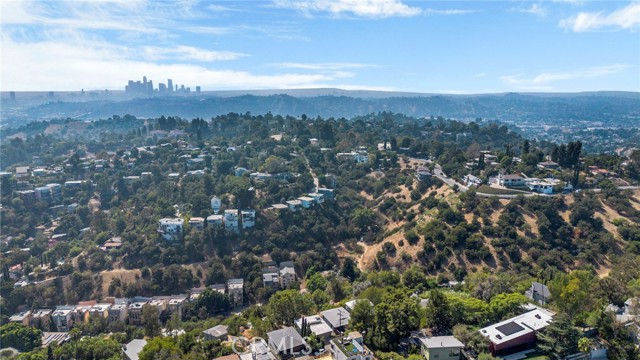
(214, 220)
(231, 219)
(306, 201)
(171, 228)
(236, 291)
(350, 347)
(441, 348)
(248, 218)
(294, 205)
(540, 186)
(196, 223)
(316, 326)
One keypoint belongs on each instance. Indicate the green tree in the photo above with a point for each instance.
(415, 279)
(284, 307)
(438, 311)
(584, 345)
(572, 293)
(151, 320)
(361, 315)
(160, 348)
(559, 339)
(20, 337)
(363, 218)
(316, 282)
(506, 305)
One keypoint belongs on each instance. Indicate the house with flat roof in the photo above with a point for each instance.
(306, 201)
(540, 186)
(349, 305)
(171, 228)
(441, 348)
(196, 223)
(99, 310)
(294, 205)
(135, 311)
(41, 318)
(236, 291)
(286, 342)
(133, 349)
(270, 277)
(518, 333)
(350, 347)
(117, 312)
(248, 218)
(219, 332)
(316, 325)
(337, 318)
(23, 318)
(63, 318)
(258, 350)
(231, 221)
(214, 220)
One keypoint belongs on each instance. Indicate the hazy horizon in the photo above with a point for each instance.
(444, 47)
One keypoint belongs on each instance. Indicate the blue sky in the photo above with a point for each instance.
(421, 46)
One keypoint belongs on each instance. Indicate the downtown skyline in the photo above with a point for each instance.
(413, 46)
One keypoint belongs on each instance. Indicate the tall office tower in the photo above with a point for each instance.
(144, 80)
(12, 95)
(170, 85)
(149, 90)
(162, 89)
(198, 90)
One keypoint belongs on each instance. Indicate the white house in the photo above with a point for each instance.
(511, 180)
(248, 218)
(317, 197)
(541, 186)
(231, 219)
(350, 348)
(215, 204)
(316, 325)
(236, 291)
(214, 220)
(196, 223)
(171, 229)
(441, 348)
(306, 201)
(294, 205)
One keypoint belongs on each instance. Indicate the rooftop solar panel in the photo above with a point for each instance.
(509, 328)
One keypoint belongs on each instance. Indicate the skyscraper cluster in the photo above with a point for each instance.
(145, 88)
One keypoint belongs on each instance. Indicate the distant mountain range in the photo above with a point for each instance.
(621, 108)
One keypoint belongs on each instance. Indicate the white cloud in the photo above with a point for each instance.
(322, 66)
(221, 8)
(543, 81)
(360, 8)
(211, 30)
(627, 18)
(448, 11)
(181, 53)
(534, 9)
(90, 15)
(72, 66)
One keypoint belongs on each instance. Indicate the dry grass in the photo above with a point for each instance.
(125, 276)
